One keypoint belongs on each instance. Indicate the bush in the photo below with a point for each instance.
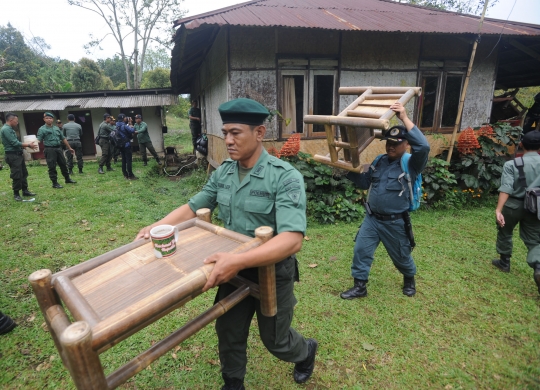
(437, 180)
(330, 195)
(181, 109)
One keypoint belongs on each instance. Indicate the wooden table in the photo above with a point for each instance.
(119, 293)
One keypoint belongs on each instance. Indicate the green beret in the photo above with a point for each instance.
(48, 114)
(243, 111)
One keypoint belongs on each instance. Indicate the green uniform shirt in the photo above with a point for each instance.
(9, 139)
(196, 113)
(510, 176)
(142, 132)
(273, 194)
(72, 131)
(51, 136)
(105, 129)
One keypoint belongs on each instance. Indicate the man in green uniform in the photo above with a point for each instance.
(14, 156)
(252, 189)
(141, 129)
(194, 114)
(53, 139)
(73, 133)
(104, 132)
(510, 208)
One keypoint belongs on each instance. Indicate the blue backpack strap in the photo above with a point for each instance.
(373, 168)
(405, 168)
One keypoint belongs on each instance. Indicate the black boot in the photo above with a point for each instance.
(503, 264)
(100, 170)
(70, 171)
(56, 185)
(359, 290)
(28, 193)
(16, 196)
(232, 383)
(110, 169)
(6, 324)
(80, 171)
(70, 180)
(409, 286)
(145, 163)
(303, 370)
(536, 276)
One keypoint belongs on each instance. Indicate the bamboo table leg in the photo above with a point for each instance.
(267, 277)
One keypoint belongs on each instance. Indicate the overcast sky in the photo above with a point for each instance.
(67, 28)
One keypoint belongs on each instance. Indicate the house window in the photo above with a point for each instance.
(310, 90)
(439, 101)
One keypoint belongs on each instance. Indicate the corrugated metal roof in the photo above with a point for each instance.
(92, 102)
(366, 15)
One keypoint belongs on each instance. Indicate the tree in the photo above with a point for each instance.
(157, 58)
(87, 76)
(142, 21)
(473, 7)
(157, 78)
(114, 68)
(5, 74)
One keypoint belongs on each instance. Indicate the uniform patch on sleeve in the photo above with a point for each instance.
(291, 180)
(294, 195)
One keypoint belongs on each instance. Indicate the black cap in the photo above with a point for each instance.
(243, 111)
(121, 117)
(396, 134)
(71, 117)
(105, 116)
(138, 116)
(531, 140)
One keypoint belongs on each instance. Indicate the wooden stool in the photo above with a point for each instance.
(115, 295)
(360, 123)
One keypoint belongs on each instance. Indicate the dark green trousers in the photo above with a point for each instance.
(276, 333)
(106, 152)
(55, 156)
(77, 146)
(195, 133)
(529, 231)
(19, 173)
(148, 145)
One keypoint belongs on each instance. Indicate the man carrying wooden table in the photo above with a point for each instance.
(254, 189)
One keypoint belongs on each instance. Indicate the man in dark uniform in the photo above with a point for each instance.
(510, 208)
(14, 156)
(73, 133)
(387, 203)
(125, 128)
(53, 139)
(104, 132)
(533, 116)
(141, 129)
(254, 189)
(194, 114)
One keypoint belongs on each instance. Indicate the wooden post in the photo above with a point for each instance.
(330, 140)
(267, 277)
(75, 302)
(204, 215)
(84, 364)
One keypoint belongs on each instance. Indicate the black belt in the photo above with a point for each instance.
(515, 197)
(69, 140)
(387, 217)
(53, 147)
(19, 152)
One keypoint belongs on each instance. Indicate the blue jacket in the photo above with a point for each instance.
(126, 131)
(388, 194)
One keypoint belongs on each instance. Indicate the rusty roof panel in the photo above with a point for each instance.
(367, 15)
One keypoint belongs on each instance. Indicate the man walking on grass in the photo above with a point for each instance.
(73, 132)
(14, 157)
(141, 129)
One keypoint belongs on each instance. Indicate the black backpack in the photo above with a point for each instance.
(532, 195)
(117, 139)
(202, 144)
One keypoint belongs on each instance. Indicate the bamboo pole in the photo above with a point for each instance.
(465, 85)
(204, 215)
(403, 100)
(376, 90)
(355, 104)
(347, 121)
(157, 350)
(363, 114)
(338, 164)
(353, 140)
(74, 300)
(84, 364)
(330, 140)
(267, 277)
(218, 230)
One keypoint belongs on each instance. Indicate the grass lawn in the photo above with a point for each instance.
(469, 326)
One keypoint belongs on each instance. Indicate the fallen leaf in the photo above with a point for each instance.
(333, 258)
(177, 348)
(31, 318)
(87, 229)
(112, 239)
(448, 387)
(368, 347)
(45, 327)
(63, 268)
(84, 221)
(349, 371)
(187, 368)
(306, 238)
(29, 230)
(498, 377)
(25, 352)
(52, 358)
(213, 362)
(497, 355)
(313, 265)
(174, 356)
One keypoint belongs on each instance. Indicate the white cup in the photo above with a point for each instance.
(164, 238)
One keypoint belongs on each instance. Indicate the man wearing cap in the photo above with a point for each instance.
(194, 115)
(14, 156)
(387, 206)
(104, 132)
(510, 208)
(252, 189)
(53, 139)
(141, 129)
(124, 126)
(73, 133)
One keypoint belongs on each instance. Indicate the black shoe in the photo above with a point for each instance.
(28, 193)
(70, 171)
(409, 286)
(303, 370)
(80, 171)
(6, 324)
(133, 177)
(17, 197)
(70, 181)
(359, 290)
(503, 263)
(56, 185)
(144, 163)
(100, 170)
(232, 383)
(536, 276)
(109, 169)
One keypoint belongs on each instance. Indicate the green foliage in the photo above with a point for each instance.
(331, 197)
(157, 78)
(114, 68)
(86, 76)
(120, 87)
(106, 83)
(437, 180)
(181, 109)
(157, 58)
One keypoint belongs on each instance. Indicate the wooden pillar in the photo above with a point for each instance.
(204, 215)
(267, 277)
(84, 364)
